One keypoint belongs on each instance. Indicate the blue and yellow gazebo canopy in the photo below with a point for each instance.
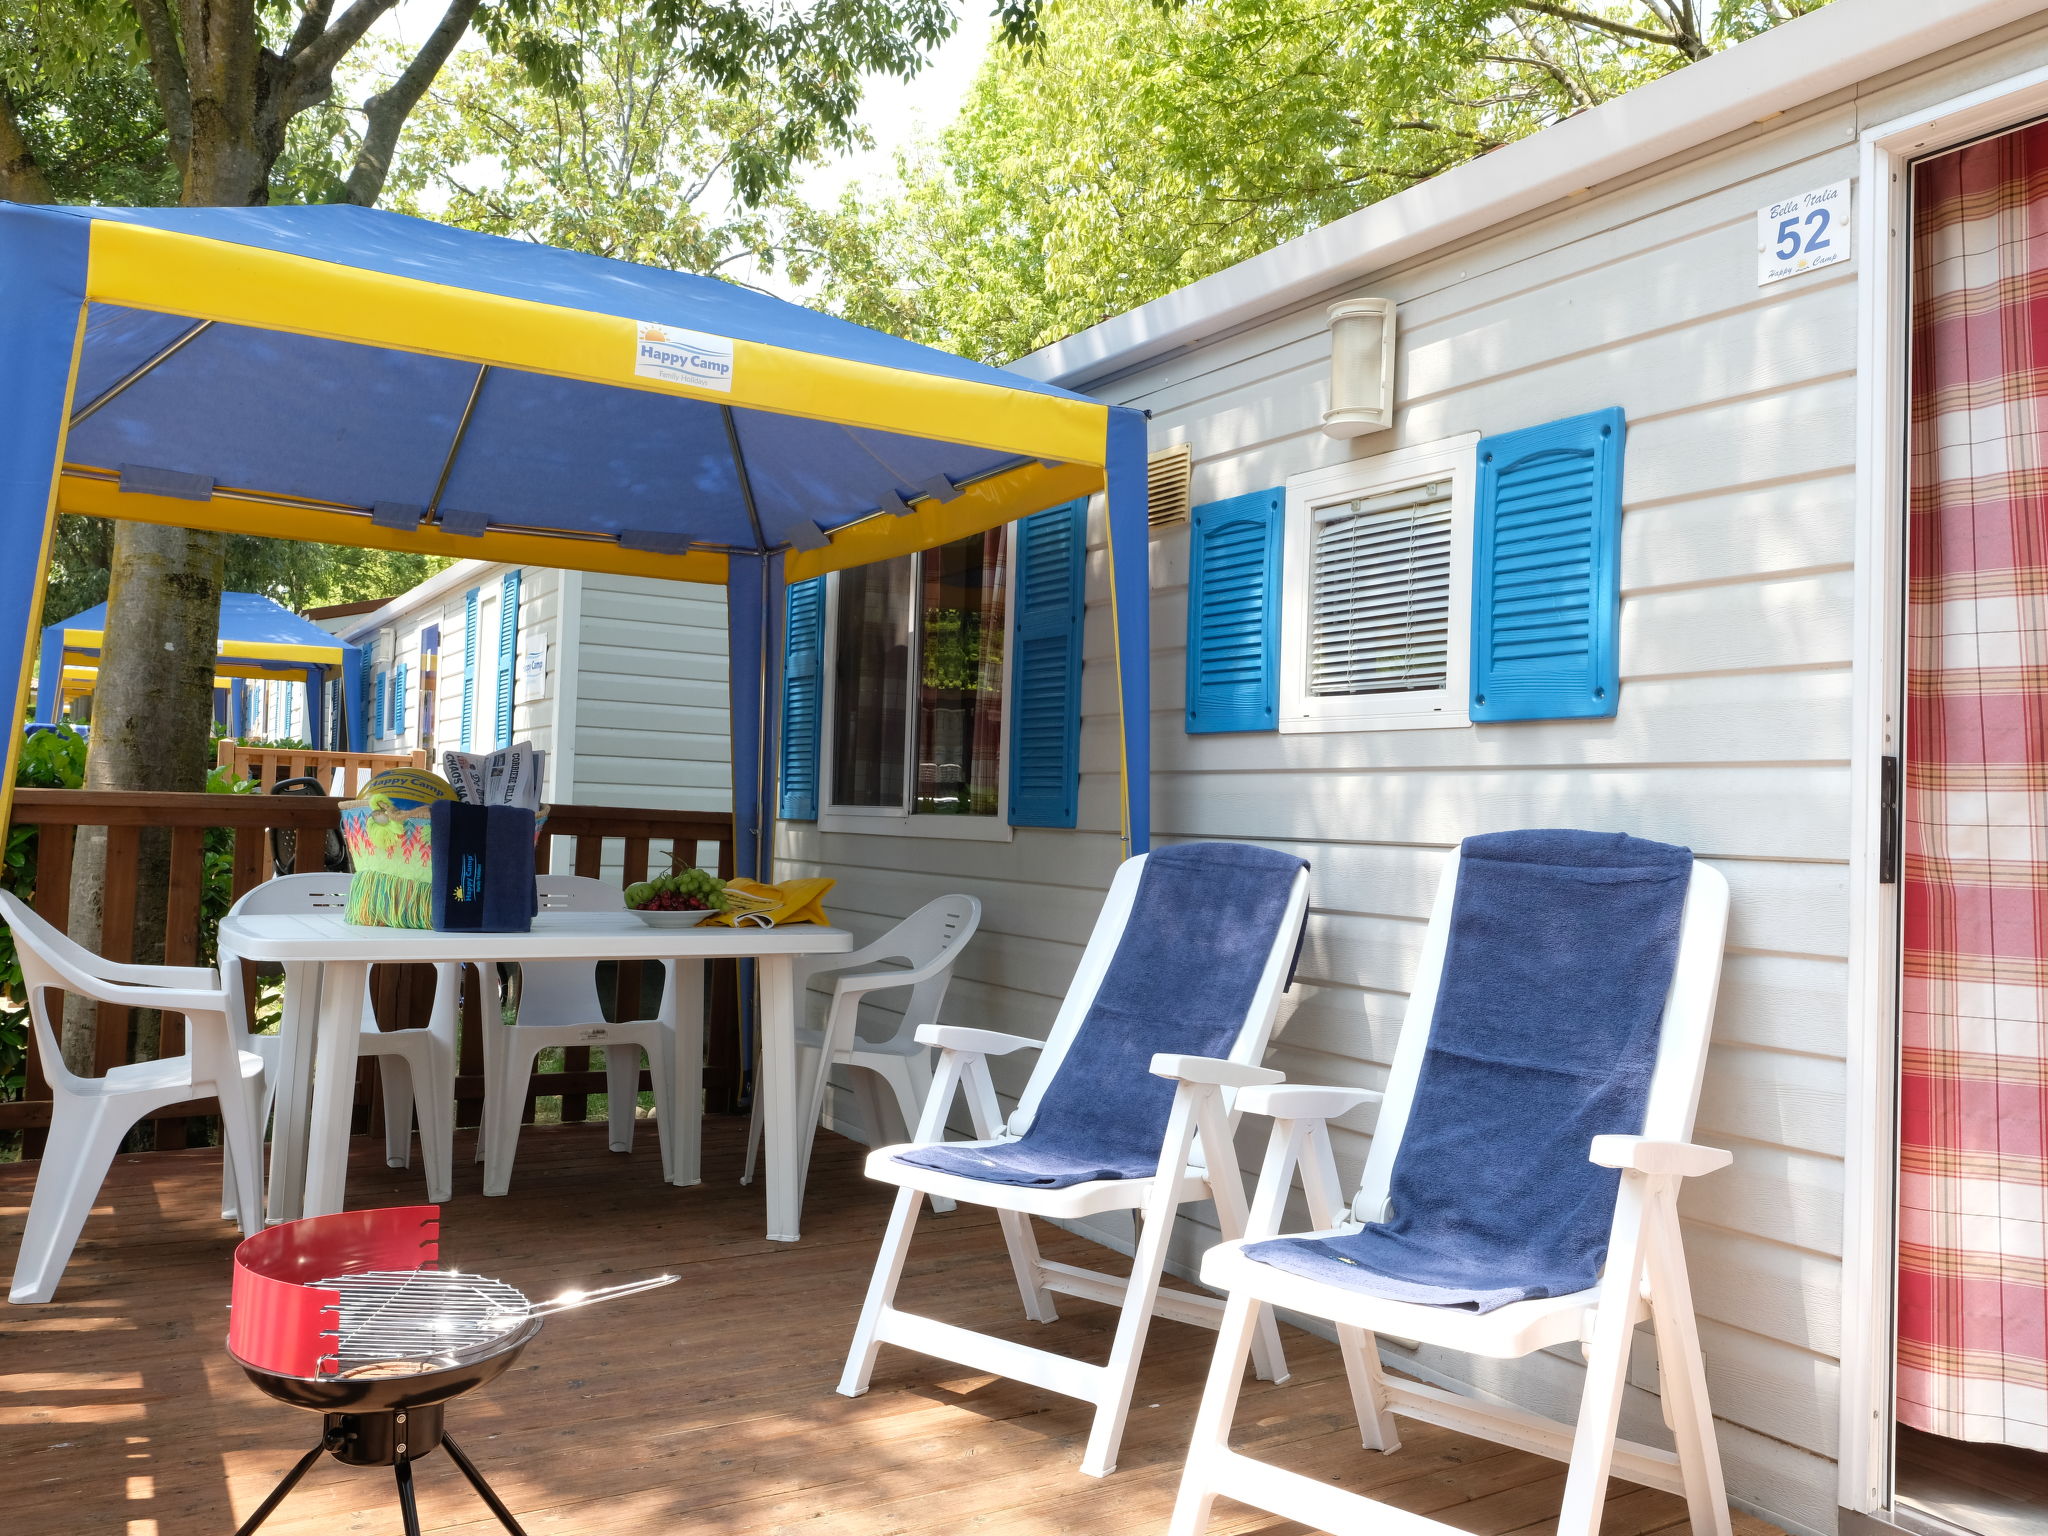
(258, 638)
(350, 376)
(254, 630)
(212, 357)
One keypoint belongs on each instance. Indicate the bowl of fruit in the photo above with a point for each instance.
(680, 900)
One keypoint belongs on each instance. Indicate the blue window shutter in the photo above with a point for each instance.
(1234, 613)
(398, 701)
(508, 659)
(469, 653)
(803, 689)
(1546, 571)
(383, 707)
(1045, 668)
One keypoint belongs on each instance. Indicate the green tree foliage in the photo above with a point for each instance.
(294, 574)
(1139, 147)
(635, 160)
(254, 68)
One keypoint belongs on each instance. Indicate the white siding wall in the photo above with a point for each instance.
(651, 726)
(1732, 735)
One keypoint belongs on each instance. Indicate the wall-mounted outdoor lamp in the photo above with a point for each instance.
(1361, 367)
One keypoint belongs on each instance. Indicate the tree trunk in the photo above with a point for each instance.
(151, 728)
(21, 178)
(153, 700)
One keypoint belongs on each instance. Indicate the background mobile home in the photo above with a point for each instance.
(1329, 620)
(621, 680)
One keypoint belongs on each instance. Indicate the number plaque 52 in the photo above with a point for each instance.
(1799, 234)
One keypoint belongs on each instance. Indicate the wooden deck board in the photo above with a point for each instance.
(707, 1407)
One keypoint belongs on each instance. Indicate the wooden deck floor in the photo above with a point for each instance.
(707, 1407)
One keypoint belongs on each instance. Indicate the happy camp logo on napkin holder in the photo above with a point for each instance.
(679, 356)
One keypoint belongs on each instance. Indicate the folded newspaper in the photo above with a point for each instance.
(509, 776)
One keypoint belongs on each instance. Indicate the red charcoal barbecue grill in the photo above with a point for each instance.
(344, 1315)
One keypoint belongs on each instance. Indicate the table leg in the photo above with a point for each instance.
(334, 1084)
(685, 985)
(781, 1135)
(292, 1093)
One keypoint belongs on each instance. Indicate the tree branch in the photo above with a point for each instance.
(1690, 46)
(21, 178)
(312, 22)
(167, 73)
(387, 111)
(1549, 67)
(310, 76)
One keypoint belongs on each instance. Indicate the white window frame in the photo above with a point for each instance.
(1455, 458)
(483, 711)
(1870, 1196)
(888, 819)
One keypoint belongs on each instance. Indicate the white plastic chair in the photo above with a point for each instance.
(415, 1066)
(559, 1006)
(90, 1115)
(1644, 1278)
(927, 942)
(1197, 1161)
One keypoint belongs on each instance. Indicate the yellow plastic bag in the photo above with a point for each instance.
(751, 904)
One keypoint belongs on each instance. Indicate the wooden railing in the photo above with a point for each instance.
(588, 840)
(270, 765)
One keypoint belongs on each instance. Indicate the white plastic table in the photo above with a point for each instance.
(327, 964)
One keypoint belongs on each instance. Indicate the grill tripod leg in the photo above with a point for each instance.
(484, 1490)
(406, 1508)
(277, 1495)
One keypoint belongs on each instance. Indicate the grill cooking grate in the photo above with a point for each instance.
(399, 1322)
(419, 1319)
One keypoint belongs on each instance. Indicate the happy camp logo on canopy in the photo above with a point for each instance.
(679, 356)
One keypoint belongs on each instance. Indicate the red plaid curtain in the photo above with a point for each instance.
(1973, 1256)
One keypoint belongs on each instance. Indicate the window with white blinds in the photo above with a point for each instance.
(1378, 575)
(1380, 598)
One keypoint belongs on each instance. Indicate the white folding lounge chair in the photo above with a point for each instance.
(1644, 1278)
(1197, 1161)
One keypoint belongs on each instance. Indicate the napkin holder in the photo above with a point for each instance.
(483, 876)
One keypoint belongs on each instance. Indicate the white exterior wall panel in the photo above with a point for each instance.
(1732, 735)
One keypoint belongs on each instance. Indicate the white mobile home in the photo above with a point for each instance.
(1615, 536)
(621, 680)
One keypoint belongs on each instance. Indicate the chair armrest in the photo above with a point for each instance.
(874, 981)
(1302, 1101)
(1639, 1154)
(189, 978)
(183, 1000)
(981, 1042)
(1213, 1070)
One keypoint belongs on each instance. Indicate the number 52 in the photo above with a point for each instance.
(1790, 243)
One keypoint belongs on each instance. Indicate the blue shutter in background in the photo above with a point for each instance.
(469, 651)
(398, 701)
(383, 707)
(508, 654)
(803, 686)
(1234, 613)
(1546, 571)
(1045, 668)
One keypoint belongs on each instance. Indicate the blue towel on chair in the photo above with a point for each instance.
(1561, 950)
(1199, 933)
